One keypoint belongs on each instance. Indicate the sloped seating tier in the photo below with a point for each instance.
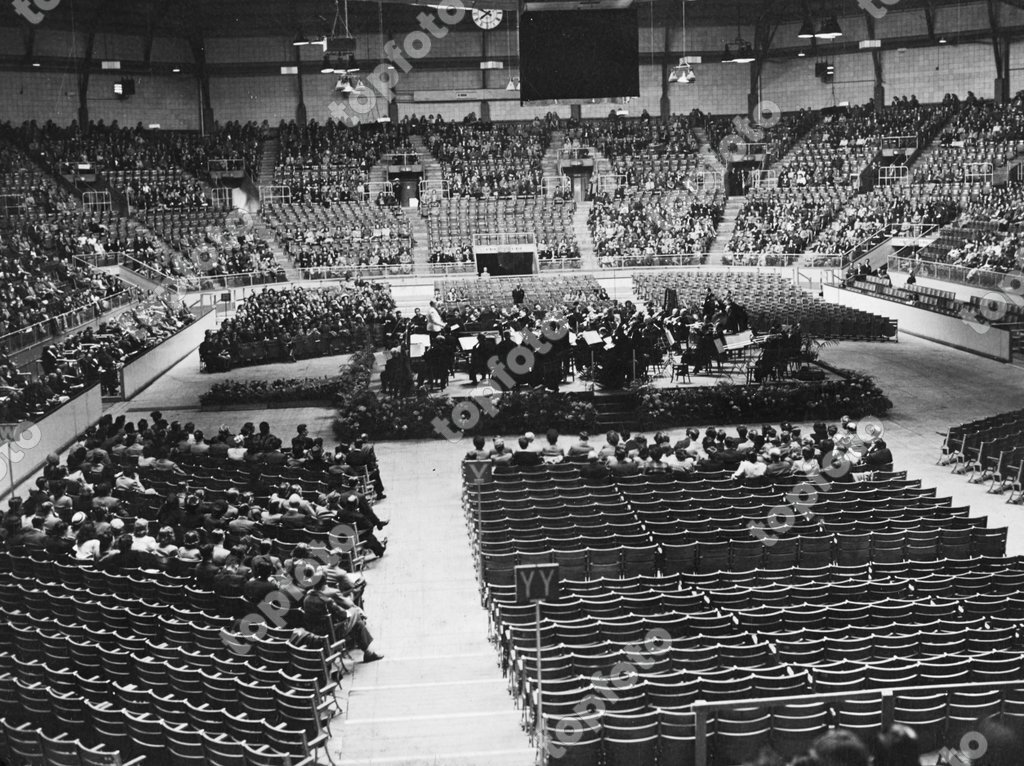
(452, 223)
(655, 223)
(774, 224)
(212, 242)
(85, 664)
(991, 245)
(329, 162)
(40, 279)
(345, 234)
(154, 189)
(979, 134)
(768, 299)
(116, 148)
(841, 146)
(143, 660)
(778, 138)
(549, 291)
(925, 598)
(485, 159)
(28, 189)
(908, 209)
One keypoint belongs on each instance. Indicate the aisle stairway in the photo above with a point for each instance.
(706, 153)
(420, 237)
(268, 161)
(431, 167)
(583, 237)
(549, 163)
(719, 246)
(265, 233)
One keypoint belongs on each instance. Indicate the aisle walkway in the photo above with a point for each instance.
(438, 697)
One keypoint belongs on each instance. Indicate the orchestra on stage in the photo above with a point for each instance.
(615, 343)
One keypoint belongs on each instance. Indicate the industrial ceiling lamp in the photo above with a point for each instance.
(327, 67)
(830, 30)
(806, 30)
(513, 82)
(739, 51)
(683, 72)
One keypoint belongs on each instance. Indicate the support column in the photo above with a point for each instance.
(86, 66)
(665, 103)
(300, 106)
(878, 95)
(1001, 52)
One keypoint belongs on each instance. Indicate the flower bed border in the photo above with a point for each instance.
(361, 409)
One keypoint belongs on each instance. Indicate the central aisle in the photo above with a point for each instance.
(438, 697)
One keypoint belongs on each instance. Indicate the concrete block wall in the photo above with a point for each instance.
(788, 81)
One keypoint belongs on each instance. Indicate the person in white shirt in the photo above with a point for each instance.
(750, 469)
(807, 465)
(141, 539)
(237, 450)
(434, 322)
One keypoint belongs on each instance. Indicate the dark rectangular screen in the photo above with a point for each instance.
(579, 54)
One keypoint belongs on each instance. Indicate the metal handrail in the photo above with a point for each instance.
(69, 321)
(948, 272)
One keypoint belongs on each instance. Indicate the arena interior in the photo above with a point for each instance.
(597, 382)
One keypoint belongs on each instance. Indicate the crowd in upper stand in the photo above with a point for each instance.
(778, 138)
(648, 225)
(38, 279)
(812, 206)
(113, 147)
(327, 162)
(91, 356)
(483, 159)
(775, 222)
(30, 190)
(867, 213)
(980, 137)
(344, 235)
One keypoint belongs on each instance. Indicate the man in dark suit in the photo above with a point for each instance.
(879, 457)
(260, 586)
(349, 513)
(362, 458)
(730, 456)
(518, 295)
(524, 455)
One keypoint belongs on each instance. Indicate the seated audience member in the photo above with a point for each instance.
(551, 452)
(840, 747)
(261, 584)
(524, 456)
(878, 456)
(896, 747)
(582, 448)
(326, 612)
(479, 451)
(142, 541)
(206, 571)
(500, 455)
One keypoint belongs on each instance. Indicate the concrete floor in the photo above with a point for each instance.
(438, 697)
